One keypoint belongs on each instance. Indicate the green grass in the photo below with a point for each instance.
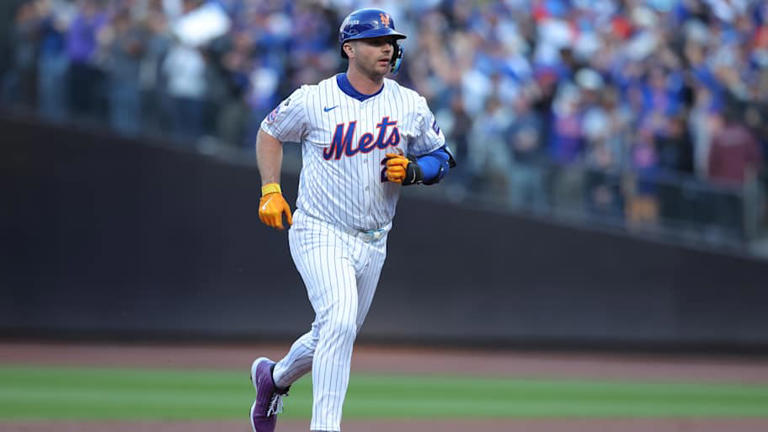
(154, 394)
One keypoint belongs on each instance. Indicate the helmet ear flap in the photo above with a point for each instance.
(397, 58)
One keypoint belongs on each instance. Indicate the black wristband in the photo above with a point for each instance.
(413, 174)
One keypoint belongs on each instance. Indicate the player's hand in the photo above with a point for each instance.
(272, 206)
(396, 166)
(402, 170)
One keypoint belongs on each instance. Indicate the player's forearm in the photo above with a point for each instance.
(269, 157)
(434, 166)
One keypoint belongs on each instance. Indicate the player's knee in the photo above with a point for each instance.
(343, 328)
(311, 343)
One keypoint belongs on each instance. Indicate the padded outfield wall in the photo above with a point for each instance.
(108, 237)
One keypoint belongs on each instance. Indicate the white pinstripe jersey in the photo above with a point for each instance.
(344, 142)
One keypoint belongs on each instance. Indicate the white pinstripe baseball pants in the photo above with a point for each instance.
(340, 270)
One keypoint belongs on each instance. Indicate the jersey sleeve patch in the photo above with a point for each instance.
(273, 115)
(287, 122)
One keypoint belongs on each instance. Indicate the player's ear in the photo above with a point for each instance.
(348, 48)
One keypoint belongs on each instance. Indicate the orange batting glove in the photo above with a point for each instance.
(272, 206)
(403, 170)
(396, 166)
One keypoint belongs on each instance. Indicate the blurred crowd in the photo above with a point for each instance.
(537, 97)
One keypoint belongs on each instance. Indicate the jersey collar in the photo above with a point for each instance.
(346, 87)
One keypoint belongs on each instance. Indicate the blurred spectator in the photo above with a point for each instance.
(734, 160)
(19, 84)
(675, 155)
(53, 61)
(604, 126)
(86, 79)
(123, 42)
(184, 71)
(460, 129)
(566, 150)
(528, 159)
(155, 105)
(735, 156)
(673, 146)
(489, 155)
(7, 17)
(196, 85)
(701, 123)
(232, 63)
(566, 139)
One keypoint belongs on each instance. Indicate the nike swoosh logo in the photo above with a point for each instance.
(326, 109)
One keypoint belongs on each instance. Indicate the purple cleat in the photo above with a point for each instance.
(269, 399)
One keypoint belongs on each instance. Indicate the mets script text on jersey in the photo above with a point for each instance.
(342, 142)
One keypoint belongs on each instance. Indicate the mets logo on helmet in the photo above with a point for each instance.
(384, 19)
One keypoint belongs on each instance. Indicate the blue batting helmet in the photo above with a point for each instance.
(371, 23)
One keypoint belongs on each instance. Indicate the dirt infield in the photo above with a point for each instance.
(416, 361)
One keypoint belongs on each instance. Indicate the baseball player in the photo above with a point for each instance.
(363, 137)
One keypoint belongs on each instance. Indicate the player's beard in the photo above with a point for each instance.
(374, 71)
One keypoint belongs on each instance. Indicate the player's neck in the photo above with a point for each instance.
(363, 83)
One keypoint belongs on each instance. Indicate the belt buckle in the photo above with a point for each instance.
(372, 235)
